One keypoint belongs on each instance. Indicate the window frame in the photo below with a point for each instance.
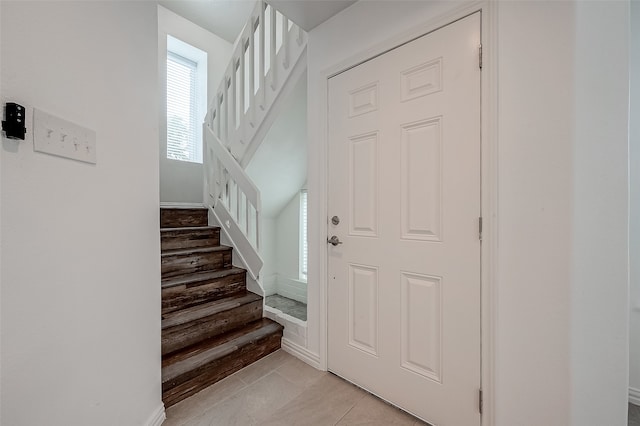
(304, 236)
(187, 52)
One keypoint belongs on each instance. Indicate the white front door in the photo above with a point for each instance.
(404, 184)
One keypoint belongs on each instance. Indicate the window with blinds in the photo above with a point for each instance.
(182, 109)
(304, 253)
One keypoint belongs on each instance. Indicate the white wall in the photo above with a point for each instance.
(279, 170)
(269, 253)
(1, 155)
(182, 181)
(80, 271)
(281, 253)
(536, 72)
(279, 166)
(562, 209)
(288, 238)
(288, 252)
(600, 249)
(634, 231)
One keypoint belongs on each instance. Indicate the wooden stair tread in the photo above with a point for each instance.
(188, 228)
(189, 238)
(202, 310)
(183, 217)
(199, 277)
(208, 351)
(196, 207)
(180, 252)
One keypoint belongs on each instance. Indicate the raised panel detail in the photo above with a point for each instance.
(421, 80)
(363, 100)
(363, 308)
(363, 185)
(422, 325)
(421, 180)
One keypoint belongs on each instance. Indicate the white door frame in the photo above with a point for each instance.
(489, 184)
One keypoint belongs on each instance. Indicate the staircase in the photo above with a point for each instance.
(211, 325)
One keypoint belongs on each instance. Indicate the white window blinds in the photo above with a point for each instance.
(182, 132)
(303, 235)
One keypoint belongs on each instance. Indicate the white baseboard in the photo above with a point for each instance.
(157, 417)
(634, 396)
(302, 353)
(170, 205)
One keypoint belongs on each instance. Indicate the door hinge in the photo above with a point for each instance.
(480, 228)
(480, 400)
(480, 56)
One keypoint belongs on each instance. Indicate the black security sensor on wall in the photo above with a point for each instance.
(13, 126)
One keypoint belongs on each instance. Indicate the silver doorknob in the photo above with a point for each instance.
(334, 240)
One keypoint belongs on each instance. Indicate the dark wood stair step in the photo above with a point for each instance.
(177, 217)
(186, 261)
(192, 369)
(191, 325)
(183, 291)
(193, 237)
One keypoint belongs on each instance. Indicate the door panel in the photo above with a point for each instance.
(404, 178)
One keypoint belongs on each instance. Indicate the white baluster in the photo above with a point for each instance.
(262, 90)
(285, 42)
(227, 188)
(223, 184)
(246, 216)
(272, 49)
(223, 111)
(254, 235)
(300, 35)
(251, 73)
(224, 116)
(214, 117)
(241, 87)
(257, 230)
(218, 117)
(231, 195)
(220, 189)
(234, 119)
(214, 114)
(237, 204)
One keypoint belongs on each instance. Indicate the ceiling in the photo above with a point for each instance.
(308, 14)
(226, 18)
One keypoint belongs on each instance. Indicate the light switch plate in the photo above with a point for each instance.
(53, 135)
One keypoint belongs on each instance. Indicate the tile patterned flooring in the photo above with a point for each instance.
(280, 390)
(634, 415)
(288, 306)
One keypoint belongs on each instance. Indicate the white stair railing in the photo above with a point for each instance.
(270, 52)
(264, 58)
(238, 206)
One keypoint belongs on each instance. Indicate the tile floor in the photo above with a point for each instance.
(634, 415)
(288, 306)
(282, 390)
